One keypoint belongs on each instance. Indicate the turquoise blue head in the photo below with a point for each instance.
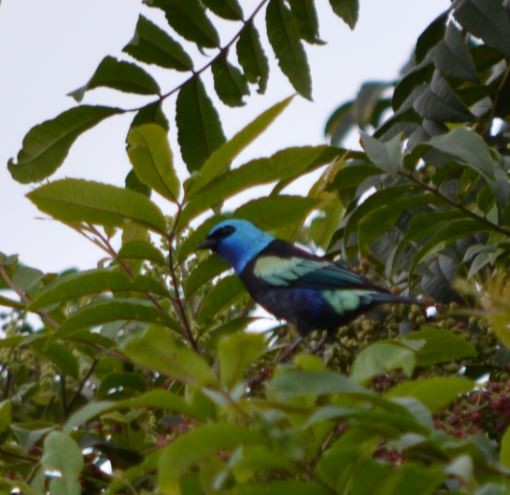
(237, 242)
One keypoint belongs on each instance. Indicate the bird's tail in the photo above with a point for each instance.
(385, 297)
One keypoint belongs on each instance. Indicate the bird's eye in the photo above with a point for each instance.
(222, 232)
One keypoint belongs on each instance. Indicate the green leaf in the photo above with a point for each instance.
(117, 74)
(303, 383)
(203, 273)
(227, 9)
(440, 346)
(150, 114)
(284, 487)
(152, 45)
(386, 155)
(5, 415)
(283, 35)
(229, 82)
(76, 200)
(347, 10)
(352, 176)
(432, 35)
(141, 250)
(220, 159)
(189, 20)
(9, 303)
(435, 393)
(504, 454)
(486, 19)
(46, 145)
(79, 284)
(151, 157)
(62, 453)
(252, 58)
(440, 103)
(199, 127)
(285, 164)
(156, 349)
(235, 353)
(384, 356)
(196, 445)
(225, 293)
(306, 18)
(105, 311)
(61, 356)
(133, 183)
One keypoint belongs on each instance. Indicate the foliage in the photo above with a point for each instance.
(139, 377)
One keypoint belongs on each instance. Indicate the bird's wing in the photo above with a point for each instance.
(311, 273)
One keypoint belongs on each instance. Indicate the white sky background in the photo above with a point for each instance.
(51, 47)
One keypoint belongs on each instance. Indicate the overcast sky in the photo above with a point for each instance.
(50, 47)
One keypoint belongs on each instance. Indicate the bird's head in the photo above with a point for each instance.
(236, 241)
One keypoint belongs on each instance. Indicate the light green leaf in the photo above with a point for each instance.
(46, 145)
(347, 10)
(76, 200)
(203, 273)
(65, 486)
(229, 82)
(196, 445)
(120, 75)
(151, 157)
(62, 453)
(504, 453)
(79, 284)
(386, 155)
(435, 393)
(105, 311)
(141, 250)
(221, 159)
(283, 35)
(236, 352)
(252, 58)
(5, 414)
(189, 20)
(156, 349)
(384, 356)
(440, 346)
(198, 124)
(152, 45)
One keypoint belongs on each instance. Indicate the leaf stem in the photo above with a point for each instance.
(454, 204)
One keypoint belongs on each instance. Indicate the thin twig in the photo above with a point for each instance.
(77, 394)
(454, 204)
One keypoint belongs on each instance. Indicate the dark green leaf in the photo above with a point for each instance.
(411, 84)
(9, 303)
(291, 487)
(306, 17)
(76, 200)
(228, 9)
(440, 346)
(220, 160)
(61, 356)
(229, 82)
(283, 35)
(432, 34)
(157, 349)
(152, 45)
(439, 102)
(135, 184)
(5, 415)
(199, 127)
(347, 10)
(252, 58)
(352, 176)
(152, 160)
(225, 293)
(46, 145)
(452, 57)
(435, 393)
(340, 123)
(151, 114)
(203, 273)
(486, 19)
(188, 18)
(79, 284)
(105, 311)
(117, 74)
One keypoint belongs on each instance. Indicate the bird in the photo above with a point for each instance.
(308, 291)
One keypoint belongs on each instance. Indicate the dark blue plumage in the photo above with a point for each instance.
(294, 285)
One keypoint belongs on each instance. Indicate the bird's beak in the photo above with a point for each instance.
(208, 244)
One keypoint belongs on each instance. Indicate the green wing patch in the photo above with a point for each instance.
(282, 271)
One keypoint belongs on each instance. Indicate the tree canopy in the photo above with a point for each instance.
(140, 376)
